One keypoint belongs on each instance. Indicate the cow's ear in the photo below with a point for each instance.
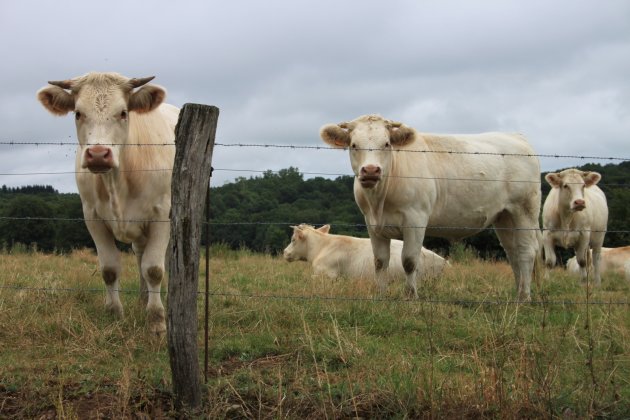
(324, 229)
(56, 100)
(591, 178)
(146, 98)
(554, 179)
(335, 136)
(401, 136)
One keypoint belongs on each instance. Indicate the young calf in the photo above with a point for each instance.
(575, 215)
(345, 256)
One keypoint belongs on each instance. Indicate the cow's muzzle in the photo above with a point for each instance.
(579, 205)
(369, 181)
(98, 159)
(369, 176)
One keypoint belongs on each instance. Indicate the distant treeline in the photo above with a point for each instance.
(257, 212)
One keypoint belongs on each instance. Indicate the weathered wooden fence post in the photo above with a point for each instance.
(194, 141)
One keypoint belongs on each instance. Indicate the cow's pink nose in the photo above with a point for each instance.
(370, 170)
(579, 204)
(98, 158)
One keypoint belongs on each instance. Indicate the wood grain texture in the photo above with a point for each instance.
(194, 140)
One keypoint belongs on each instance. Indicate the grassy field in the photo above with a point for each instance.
(286, 345)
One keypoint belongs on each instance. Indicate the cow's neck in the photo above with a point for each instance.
(377, 197)
(115, 192)
(568, 220)
(314, 246)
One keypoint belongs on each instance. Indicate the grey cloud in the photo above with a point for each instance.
(279, 70)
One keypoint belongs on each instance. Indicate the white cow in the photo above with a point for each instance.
(346, 256)
(611, 259)
(123, 172)
(409, 184)
(575, 215)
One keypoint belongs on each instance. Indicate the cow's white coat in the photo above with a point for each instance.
(612, 259)
(410, 184)
(346, 256)
(123, 173)
(575, 215)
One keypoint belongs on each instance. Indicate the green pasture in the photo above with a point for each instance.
(285, 344)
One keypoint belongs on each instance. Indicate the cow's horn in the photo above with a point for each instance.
(64, 84)
(135, 83)
(348, 125)
(395, 124)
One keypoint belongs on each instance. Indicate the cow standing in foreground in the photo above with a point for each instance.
(611, 259)
(408, 184)
(123, 172)
(345, 256)
(575, 215)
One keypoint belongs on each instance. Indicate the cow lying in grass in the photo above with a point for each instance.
(345, 256)
(612, 259)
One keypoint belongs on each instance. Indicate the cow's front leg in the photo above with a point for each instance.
(582, 257)
(143, 295)
(109, 262)
(596, 258)
(411, 261)
(153, 271)
(549, 249)
(381, 250)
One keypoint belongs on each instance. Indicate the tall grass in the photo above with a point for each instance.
(285, 344)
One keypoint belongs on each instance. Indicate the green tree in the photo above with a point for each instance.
(28, 221)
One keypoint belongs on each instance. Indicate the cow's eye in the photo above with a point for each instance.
(386, 145)
(123, 115)
(565, 186)
(77, 115)
(354, 146)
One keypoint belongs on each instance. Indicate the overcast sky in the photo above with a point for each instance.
(557, 71)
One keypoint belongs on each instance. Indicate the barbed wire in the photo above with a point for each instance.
(354, 225)
(308, 147)
(81, 172)
(600, 184)
(421, 300)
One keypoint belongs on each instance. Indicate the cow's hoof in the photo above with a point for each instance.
(156, 321)
(158, 329)
(115, 310)
(411, 292)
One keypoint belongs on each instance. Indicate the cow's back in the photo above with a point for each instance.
(465, 181)
(615, 258)
(353, 258)
(612, 259)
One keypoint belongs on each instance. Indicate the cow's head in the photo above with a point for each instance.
(571, 184)
(101, 103)
(298, 249)
(371, 140)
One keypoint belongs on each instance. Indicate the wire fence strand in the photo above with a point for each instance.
(466, 302)
(355, 225)
(430, 178)
(421, 300)
(311, 147)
